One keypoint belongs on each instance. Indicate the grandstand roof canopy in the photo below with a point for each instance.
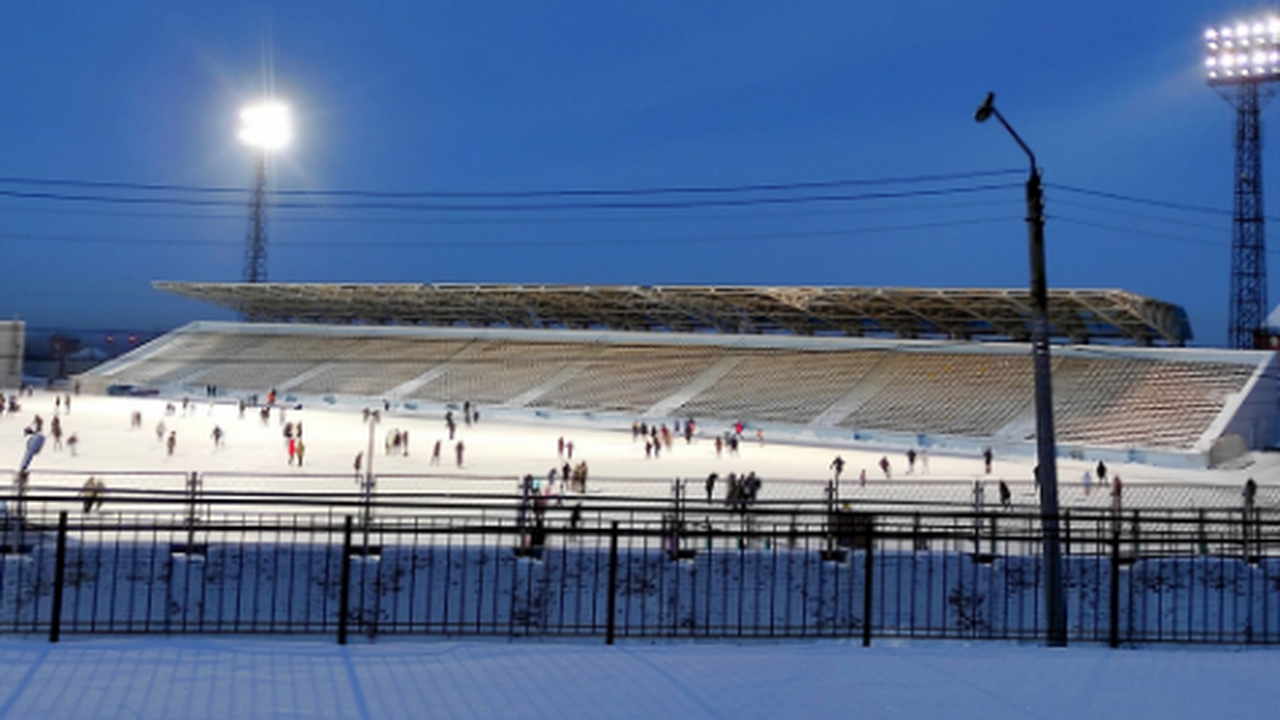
(1078, 316)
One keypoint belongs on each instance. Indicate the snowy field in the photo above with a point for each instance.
(248, 679)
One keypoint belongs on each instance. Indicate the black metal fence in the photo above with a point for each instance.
(492, 566)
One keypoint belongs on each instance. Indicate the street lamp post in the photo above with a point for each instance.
(1046, 451)
(370, 482)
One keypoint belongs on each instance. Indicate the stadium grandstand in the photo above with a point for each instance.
(857, 366)
(1076, 316)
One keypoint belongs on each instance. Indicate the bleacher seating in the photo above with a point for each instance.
(498, 371)
(631, 378)
(185, 355)
(372, 367)
(788, 387)
(1130, 403)
(1102, 399)
(947, 393)
(265, 362)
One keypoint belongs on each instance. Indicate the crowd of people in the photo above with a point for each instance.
(741, 491)
(738, 490)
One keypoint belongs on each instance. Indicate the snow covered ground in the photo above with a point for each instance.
(247, 679)
(185, 677)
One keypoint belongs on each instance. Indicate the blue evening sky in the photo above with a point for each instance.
(512, 97)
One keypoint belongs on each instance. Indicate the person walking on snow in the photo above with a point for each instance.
(837, 466)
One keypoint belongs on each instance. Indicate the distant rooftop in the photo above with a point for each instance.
(1075, 316)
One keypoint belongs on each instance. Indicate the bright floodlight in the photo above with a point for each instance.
(1249, 52)
(266, 126)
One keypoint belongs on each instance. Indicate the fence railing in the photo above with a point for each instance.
(498, 565)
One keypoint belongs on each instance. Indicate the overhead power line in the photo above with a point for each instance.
(539, 207)
(1145, 216)
(219, 200)
(549, 193)
(573, 205)
(576, 242)
(323, 215)
(1141, 201)
(512, 194)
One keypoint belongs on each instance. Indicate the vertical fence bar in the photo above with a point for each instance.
(612, 605)
(1066, 531)
(344, 589)
(868, 576)
(1113, 604)
(59, 570)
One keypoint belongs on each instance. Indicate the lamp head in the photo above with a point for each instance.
(1244, 53)
(266, 126)
(987, 109)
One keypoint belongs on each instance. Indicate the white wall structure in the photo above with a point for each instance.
(12, 347)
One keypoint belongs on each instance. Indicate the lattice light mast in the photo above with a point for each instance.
(267, 129)
(1243, 64)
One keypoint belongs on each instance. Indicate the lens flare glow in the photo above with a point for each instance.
(266, 126)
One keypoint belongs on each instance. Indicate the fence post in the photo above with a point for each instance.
(1113, 610)
(1137, 535)
(193, 510)
(612, 607)
(1202, 537)
(59, 570)
(1246, 532)
(1066, 531)
(868, 574)
(344, 592)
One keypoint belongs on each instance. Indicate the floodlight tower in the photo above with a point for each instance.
(266, 129)
(1243, 63)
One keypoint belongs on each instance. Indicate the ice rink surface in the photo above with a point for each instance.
(254, 455)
